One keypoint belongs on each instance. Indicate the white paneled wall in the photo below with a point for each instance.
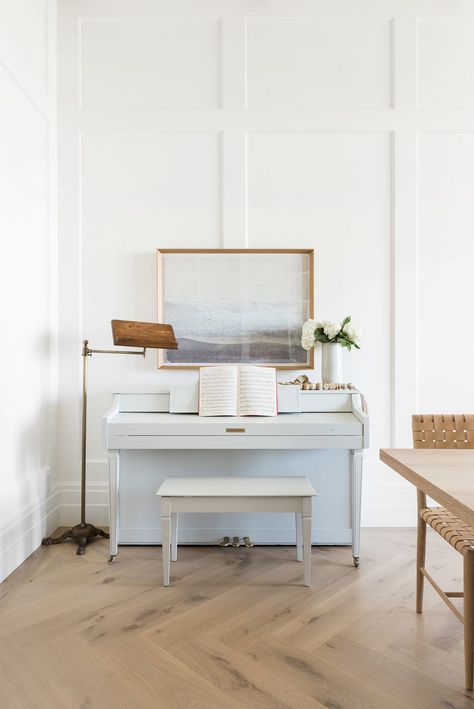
(342, 126)
(172, 63)
(318, 63)
(446, 268)
(28, 490)
(446, 62)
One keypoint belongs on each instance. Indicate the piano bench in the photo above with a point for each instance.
(236, 494)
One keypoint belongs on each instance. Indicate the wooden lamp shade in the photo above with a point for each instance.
(143, 334)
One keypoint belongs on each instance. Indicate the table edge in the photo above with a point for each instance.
(441, 496)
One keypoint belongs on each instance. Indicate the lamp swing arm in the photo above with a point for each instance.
(88, 352)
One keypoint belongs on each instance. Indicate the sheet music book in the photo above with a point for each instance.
(237, 391)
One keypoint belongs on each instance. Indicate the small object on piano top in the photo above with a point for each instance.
(299, 381)
(306, 385)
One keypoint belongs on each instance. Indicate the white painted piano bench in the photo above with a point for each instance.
(236, 494)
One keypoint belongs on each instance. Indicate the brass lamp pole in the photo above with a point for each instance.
(133, 334)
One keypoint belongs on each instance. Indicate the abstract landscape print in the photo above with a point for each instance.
(236, 307)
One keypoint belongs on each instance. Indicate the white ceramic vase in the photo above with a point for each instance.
(331, 363)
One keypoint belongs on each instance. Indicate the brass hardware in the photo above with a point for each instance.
(226, 542)
(235, 430)
(87, 352)
(81, 534)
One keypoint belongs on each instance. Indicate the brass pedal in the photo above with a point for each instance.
(236, 542)
(225, 542)
(248, 542)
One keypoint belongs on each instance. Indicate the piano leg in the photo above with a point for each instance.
(356, 490)
(114, 466)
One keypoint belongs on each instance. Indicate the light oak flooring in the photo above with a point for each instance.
(235, 629)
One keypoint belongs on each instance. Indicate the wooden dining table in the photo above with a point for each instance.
(445, 475)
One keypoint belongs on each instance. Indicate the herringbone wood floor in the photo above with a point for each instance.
(235, 629)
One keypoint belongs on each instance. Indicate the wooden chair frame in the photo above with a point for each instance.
(447, 431)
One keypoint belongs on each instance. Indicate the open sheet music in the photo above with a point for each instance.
(237, 391)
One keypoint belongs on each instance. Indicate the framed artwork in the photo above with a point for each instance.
(236, 306)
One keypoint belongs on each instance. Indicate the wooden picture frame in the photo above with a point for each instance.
(200, 291)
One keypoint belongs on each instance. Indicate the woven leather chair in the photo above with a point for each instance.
(447, 431)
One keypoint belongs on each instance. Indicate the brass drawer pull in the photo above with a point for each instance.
(235, 430)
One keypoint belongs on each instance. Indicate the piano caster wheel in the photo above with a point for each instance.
(356, 561)
(111, 558)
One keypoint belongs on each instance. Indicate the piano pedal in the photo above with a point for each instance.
(235, 542)
(225, 542)
(248, 542)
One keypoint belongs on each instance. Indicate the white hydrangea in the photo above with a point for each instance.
(331, 329)
(310, 325)
(307, 334)
(353, 333)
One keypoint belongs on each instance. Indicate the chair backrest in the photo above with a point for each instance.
(443, 430)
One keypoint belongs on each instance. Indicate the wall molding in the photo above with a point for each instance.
(97, 503)
(30, 495)
(22, 535)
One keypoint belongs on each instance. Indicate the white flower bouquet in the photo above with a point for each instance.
(345, 334)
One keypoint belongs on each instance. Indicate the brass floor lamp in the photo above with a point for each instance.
(127, 333)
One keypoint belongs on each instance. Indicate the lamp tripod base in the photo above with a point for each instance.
(82, 534)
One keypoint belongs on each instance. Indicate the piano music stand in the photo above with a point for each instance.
(131, 334)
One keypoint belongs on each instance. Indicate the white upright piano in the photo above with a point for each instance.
(146, 443)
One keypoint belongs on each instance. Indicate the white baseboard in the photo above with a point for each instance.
(22, 535)
(97, 503)
(401, 512)
(390, 516)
